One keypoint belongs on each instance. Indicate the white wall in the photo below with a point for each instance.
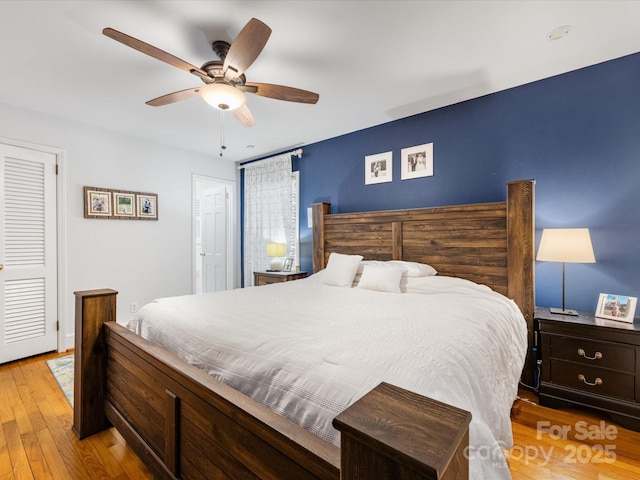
(142, 260)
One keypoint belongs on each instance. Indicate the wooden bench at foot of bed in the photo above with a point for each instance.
(185, 424)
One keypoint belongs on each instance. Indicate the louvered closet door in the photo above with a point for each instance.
(28, 290)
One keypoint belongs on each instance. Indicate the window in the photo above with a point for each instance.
(294, 237)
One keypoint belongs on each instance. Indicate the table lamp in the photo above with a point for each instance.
(572, 245)
(276, 251)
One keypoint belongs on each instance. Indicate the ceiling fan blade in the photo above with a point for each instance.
(244, 116)
(173, 97)
(245, 48)
(280, 92)
(152, 51)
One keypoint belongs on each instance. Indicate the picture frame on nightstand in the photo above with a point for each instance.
(288, 264)
(616, 307)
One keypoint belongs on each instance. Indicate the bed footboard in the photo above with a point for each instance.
(185, 424)
(393, 433)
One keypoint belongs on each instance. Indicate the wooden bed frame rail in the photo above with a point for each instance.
(185, 424)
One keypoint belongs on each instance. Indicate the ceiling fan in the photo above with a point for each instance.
(225, 82)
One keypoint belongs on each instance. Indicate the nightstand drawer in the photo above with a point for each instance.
(596, 354)
(263, 280)
(600, 381)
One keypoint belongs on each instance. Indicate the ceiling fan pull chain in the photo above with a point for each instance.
(222, 145)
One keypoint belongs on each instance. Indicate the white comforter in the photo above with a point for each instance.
(309, 350)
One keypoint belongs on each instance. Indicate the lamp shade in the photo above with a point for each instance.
(571, 245)
(223, 96)
(276, 249)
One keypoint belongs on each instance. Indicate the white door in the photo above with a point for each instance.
(28, 289)
(214, 239)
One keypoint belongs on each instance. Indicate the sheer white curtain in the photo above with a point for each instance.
(267, 211)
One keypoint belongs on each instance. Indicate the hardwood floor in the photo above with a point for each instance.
(36, 441)
(570, 444)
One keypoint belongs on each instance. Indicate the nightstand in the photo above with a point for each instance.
(265, 278)
(591, 362)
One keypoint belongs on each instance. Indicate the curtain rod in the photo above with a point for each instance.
(296, 153)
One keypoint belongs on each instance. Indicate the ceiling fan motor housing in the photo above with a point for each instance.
(221, 48)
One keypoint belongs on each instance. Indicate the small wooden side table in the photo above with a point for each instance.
(265, 278)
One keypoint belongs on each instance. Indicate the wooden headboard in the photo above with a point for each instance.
(488, 243)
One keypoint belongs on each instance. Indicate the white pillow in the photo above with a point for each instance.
(408, 269)
(439, 284)
(381, 279)
(414, 269)
(341, 269)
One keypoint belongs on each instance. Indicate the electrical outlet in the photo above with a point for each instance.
(133, 307)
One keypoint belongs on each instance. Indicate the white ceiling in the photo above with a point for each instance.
(371, 61)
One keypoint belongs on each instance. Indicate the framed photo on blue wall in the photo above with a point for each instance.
(417, 161)
(378, 168)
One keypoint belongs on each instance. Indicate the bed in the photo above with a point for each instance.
(185, 423)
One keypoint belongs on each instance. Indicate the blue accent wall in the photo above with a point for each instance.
(576, 134)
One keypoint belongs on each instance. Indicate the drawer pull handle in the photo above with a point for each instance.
(582, 353)
(582, 378)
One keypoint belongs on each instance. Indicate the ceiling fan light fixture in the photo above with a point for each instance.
(223, 96)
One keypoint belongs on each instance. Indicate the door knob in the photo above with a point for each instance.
(1, 266)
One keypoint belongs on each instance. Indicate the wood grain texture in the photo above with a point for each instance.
(521, 259)
(379, 439)
(467, 241)
(44, 447)
(172, 427)
(266, 278)
(318, 212)
(90, 365)
(540, 452)
(490, 243)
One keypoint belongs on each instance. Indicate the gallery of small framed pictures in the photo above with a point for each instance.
(119, 204)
